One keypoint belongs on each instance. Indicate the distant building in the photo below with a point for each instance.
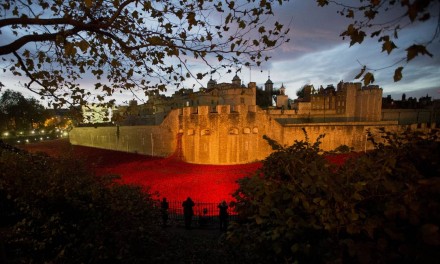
(408, 103)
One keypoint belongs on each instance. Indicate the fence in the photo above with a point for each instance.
(205, 214)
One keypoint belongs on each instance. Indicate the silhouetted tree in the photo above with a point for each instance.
(18, 112)
(263, 98)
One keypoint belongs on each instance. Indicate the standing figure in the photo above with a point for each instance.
(188, 212)
(203, 219)
(164, 209)
(223, 215)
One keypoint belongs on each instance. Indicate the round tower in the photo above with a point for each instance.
(236, 80)
(268, 86)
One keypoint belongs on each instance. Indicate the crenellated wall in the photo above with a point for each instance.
(225, 135)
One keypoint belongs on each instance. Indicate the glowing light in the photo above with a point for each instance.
(6, 134)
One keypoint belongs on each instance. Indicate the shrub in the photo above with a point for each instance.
(379, 207)
(58, 211)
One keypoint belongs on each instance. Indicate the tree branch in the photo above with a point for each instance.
(24, 68)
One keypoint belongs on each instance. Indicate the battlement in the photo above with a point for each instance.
(343, 86)
(370, 89)
(217, 109)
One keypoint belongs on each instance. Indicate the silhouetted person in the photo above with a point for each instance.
(188, 212)
(223, 215)
(164, 209)
(203, 220)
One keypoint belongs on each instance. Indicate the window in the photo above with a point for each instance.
(233, 131)
(205, 132)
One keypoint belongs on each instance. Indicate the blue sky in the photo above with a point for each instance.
(317, 55)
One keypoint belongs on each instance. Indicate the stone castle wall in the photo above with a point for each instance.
(148, 140)
(225, 136)
(369, 104)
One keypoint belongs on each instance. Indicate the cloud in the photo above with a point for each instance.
(317, 55)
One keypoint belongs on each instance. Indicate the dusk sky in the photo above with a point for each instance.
(317, 55)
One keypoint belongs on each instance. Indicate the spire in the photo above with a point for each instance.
(269, 81)
(268, 86)
(282, 89)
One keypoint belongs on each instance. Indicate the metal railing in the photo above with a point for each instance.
(205, 214)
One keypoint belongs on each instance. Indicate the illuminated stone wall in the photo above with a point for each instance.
(229, 135)
(149, 140)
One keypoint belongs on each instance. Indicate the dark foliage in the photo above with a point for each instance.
(263, 98)
(380, 207)
(57, 211)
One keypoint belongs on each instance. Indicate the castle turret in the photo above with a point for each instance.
(236, 80)
(211, 83)
(282, 98)
(282, 89)
(307, 92)
(268, 86)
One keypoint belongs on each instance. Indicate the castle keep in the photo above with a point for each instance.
(221, 124)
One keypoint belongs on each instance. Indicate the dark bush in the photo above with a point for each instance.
(379, 207)
(57, 211)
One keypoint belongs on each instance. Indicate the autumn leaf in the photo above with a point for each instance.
(322, 2)
(368, 78)
(398, 74)
(88, 3)
(388, 46)
(83, 45)
(414, 50)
